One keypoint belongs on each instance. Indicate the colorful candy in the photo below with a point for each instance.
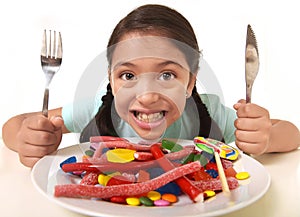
(153, 195)
(169, 197)
(146, 201)
(120, 155)
(155, 175)
(211, 145)
(133, 201)
(184, 183)
(161, 203)
(242, 175)
(91, 191)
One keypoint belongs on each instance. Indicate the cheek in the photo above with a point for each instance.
(123, 99)
(177, 96)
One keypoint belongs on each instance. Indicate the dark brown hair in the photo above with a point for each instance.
(155, 20)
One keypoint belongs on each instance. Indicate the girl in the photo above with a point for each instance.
(153, 59)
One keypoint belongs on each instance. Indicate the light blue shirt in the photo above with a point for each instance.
(77, 115)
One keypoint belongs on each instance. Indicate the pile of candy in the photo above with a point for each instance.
(116, 170)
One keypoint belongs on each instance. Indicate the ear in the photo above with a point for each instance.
(191, 84)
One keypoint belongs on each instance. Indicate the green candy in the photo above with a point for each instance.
(204, 147)
(89, 153)
(170, 145)
(146, 201)
(187, 159)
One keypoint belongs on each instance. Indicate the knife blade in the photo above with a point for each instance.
(251, 62)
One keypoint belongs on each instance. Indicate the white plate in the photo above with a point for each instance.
(46, 174)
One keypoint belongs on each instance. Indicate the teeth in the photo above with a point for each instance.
(149, 118)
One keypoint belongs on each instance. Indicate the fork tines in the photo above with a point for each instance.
(51, 45)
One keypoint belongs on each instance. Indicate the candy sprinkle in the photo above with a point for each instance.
(242, 175)
(133, 201)
(154, 195)
(169, 197)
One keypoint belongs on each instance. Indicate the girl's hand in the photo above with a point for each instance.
(253, 127)
(37, 137)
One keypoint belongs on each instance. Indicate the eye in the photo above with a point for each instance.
(127, 76)
(166, 76)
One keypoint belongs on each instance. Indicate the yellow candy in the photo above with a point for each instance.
(153, 195)
(120, 155)
(210, 193)
(133, 201)
(242, 175)
(103, 179)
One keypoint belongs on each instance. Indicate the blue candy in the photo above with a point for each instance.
(68, 160)
(213, 173)
(171, 188)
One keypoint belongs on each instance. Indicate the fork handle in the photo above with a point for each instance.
(45, 102)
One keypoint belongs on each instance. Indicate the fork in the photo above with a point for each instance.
(51, 58)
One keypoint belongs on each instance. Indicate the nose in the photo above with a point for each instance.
(147, 98)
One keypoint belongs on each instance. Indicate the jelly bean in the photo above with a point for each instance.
(209, 193)
(89, 153)
(133, 201)
(146, 201)
(68, 160)
(120, 155)
(242, 175)
(161, 203)
(154, 195)
(169, 197)
(118, 199)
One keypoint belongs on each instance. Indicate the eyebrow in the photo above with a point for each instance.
(162, 64)
(170, 62)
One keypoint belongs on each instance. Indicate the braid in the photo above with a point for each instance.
(208, 127)
(106, 113)
(102, 123)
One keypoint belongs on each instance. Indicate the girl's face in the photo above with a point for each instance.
(150, 81)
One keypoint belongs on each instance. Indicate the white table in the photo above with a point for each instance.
(19, 197)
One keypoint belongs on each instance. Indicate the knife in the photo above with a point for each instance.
(251, 62)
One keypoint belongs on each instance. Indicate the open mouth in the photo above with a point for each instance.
(149, 118)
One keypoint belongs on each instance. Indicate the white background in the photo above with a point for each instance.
(220, 27)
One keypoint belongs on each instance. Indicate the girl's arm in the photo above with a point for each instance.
(284, 136)
(256, 133)
(32, 135)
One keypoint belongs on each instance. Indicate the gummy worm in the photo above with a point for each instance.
(90, 191)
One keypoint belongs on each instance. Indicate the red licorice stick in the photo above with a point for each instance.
(171, 156)
(90, 179)
(108, 167)
(117, 144)
(184, 183)
(91, 191)
(216, 184)
(143, 156)
(106, 138)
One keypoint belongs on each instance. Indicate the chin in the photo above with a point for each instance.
(151, 137)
